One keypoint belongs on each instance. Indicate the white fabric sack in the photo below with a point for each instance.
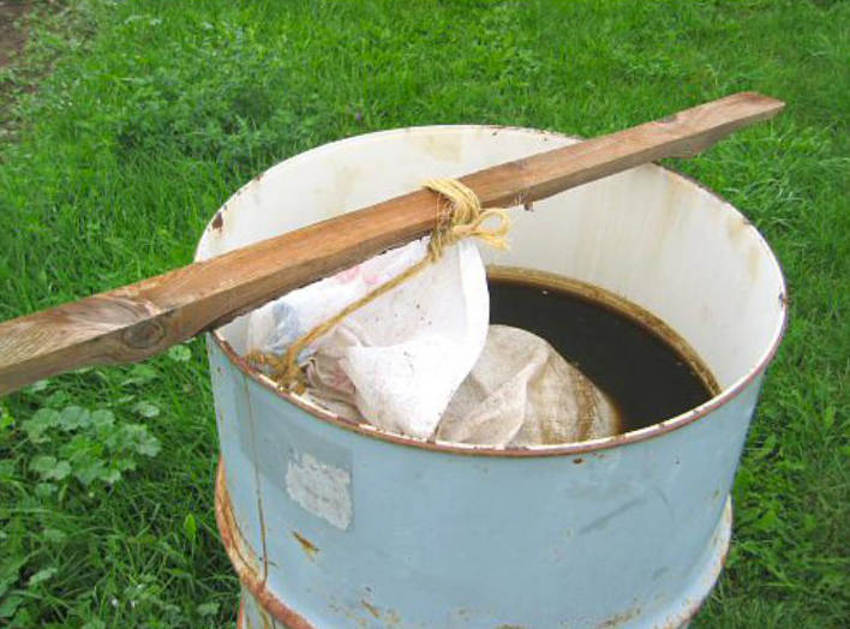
(398, 360)
(521, 392)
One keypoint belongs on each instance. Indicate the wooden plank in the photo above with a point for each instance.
(137, 321)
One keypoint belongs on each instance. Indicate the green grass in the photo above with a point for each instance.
(149, 114)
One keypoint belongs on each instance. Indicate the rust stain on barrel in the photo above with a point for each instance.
(218, 221)
(232, 536)
(310, 549)
(621, 619)
(245, 561)
(371, 609)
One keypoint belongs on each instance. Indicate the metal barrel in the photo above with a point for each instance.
(330, 524)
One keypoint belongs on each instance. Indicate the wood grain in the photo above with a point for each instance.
(137, 321)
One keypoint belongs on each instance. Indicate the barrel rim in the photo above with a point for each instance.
(582, 447)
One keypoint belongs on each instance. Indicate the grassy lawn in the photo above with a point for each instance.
(148, 115)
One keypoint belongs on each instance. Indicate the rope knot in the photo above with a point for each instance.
(463, 217)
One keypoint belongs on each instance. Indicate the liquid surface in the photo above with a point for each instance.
(643, 375)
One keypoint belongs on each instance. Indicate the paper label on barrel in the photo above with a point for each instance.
(321, 489)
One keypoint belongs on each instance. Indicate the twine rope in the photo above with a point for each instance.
(461, 217)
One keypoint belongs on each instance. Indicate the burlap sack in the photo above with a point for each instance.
(521, 392)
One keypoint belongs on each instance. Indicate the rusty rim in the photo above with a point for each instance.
(244, 561)
(635, 436)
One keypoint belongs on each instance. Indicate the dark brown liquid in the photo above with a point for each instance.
(643, 374)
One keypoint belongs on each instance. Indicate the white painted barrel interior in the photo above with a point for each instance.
(648, 235)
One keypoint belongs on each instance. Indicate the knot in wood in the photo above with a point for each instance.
(144, 336)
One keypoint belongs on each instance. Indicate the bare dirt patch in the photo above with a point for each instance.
(12, 38)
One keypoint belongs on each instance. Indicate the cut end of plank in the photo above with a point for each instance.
(721, 118)
(768, 103)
